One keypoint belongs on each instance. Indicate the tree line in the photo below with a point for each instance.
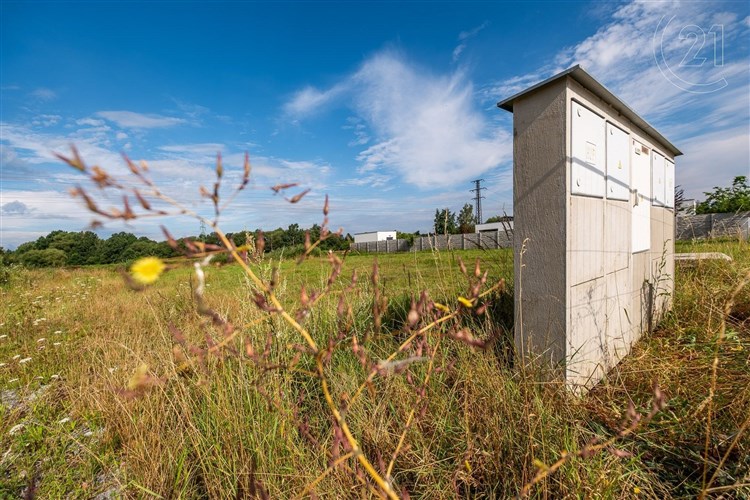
(84, 248)
(448, 222)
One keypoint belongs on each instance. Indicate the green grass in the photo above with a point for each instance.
(210, 432)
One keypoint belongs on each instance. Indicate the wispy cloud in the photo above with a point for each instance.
(130, 119)
(309, 100)
(14, 208)
(91, 122)
(204, 150)
(464, 37)
(35, 147)
(649, 54)
(43, 94)
(46, 120)
(361, 137)
(426, 128)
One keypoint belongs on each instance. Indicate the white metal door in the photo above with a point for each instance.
(587, 152)
(658, 189)
(618, 164)
(669, 183)
(641, 199)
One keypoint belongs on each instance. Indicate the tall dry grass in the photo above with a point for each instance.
(243, 381)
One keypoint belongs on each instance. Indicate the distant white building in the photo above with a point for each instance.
(374, 236)
(494, 226)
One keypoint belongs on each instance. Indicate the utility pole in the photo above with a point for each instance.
(478, 198)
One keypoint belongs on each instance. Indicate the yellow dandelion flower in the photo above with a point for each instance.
(147, 270)
(637, 490)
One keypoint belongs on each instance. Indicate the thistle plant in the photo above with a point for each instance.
(429, 325)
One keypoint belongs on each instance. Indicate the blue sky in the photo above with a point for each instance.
(389, 107)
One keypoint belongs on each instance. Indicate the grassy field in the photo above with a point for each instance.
(72, 340)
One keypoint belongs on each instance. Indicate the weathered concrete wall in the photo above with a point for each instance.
(385, 246)
(691, 227)
(469, 241)
(539, 216)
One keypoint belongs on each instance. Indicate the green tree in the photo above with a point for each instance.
(113, 247)
(294, 235)
(49, 257)
(466, 219)
(405, 236)
(726, 200)
(80, 248)
(141, 248)
(445, 222)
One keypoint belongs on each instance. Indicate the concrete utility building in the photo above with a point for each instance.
(593, 203)
(374, 236)
(491, 227)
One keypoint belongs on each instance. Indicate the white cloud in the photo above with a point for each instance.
(464, 36)
(44, 94)
(426, 128)
(651, 54)
(21, 205)
(309, 100)
(121, 136)
(201, 150)
(130, 119)
(46, 120)
(714, 159)
(359, 129)
(39, 148)
(91, 122)
(14, 207)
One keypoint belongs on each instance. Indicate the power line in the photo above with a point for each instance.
(478, 198)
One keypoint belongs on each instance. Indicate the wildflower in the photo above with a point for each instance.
(636, 490)
(442, 307)
(147, 270)
(465, 302)
(14, 430)
(24, 360)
